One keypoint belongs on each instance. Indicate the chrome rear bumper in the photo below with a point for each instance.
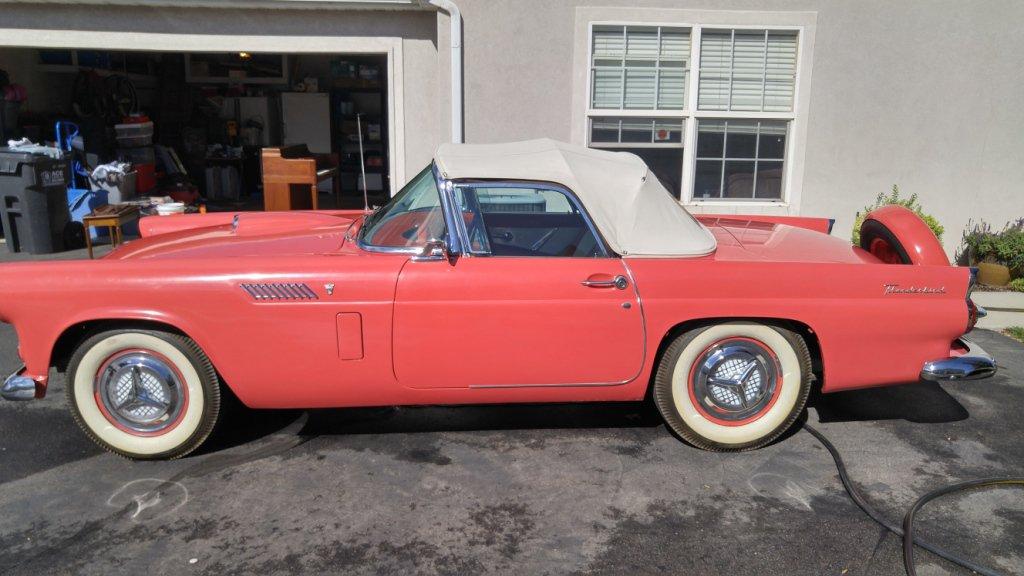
(973, 364)
(18, 387)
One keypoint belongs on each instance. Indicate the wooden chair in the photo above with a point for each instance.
(291, 175)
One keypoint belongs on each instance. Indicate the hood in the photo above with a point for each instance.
(742, 238)
(248, 234)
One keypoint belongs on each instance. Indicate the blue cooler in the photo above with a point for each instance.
(82, 202)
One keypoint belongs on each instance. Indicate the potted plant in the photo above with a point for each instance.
(999, 256)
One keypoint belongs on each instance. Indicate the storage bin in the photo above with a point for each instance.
(118, 189)
(143, 155)
(134, 135)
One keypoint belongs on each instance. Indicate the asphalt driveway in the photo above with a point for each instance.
(589, 489)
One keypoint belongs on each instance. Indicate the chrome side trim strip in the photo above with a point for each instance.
(973, 365)
(18, 388)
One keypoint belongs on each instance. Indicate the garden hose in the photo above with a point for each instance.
(907, 531)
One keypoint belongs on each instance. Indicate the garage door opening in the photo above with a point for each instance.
(197, 123)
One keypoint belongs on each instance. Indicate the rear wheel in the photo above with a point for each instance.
(734, 385)
(143, 394)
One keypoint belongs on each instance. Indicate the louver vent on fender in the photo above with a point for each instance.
(280, 291)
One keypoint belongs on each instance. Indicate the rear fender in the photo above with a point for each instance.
(896, 235)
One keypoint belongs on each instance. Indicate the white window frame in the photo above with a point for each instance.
(802, 23)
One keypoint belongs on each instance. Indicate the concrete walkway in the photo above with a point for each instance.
(1005, 309)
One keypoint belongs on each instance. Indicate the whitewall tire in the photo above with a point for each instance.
(143, 394)
(733, 385)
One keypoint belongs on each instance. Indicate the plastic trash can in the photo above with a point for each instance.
(33, 201)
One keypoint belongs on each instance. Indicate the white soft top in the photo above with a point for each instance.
(633, 211)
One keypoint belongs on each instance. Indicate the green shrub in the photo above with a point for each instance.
(1006, 247)
(894, 198)
(1016, 285)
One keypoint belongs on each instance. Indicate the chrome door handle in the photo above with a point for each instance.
(619, 282)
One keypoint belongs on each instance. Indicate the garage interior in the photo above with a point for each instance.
(212, 118)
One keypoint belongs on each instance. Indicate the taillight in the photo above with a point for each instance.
(974, 312)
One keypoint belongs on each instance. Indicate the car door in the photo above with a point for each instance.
(536, 300)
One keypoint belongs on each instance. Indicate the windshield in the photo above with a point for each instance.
(410, 219)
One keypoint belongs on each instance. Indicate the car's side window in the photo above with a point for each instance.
(525, 220)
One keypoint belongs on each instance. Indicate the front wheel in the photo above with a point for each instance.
(733, 386)
(143, 394)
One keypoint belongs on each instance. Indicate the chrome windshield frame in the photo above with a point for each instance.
(456, 234)
(445, 201)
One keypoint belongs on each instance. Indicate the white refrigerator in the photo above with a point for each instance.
(306, 119)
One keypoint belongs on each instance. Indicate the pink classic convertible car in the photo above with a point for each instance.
(525, 272)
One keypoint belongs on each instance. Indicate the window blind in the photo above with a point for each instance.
(749, 71)
(639, 67)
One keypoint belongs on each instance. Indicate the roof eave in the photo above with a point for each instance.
(257, 4)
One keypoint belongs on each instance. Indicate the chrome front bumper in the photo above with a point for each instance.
(18, 387)
(973, 364)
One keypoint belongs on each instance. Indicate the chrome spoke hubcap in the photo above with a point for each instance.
(140, 391)
(735, 379)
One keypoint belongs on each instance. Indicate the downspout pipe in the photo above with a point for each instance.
(456, 41)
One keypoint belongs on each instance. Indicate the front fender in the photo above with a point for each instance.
(38, 344)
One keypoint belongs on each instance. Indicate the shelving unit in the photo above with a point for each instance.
(369, 102)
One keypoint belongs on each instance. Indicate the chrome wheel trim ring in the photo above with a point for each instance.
(735, 379)
(140, 392)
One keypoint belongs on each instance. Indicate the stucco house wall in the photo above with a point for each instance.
(923, 94)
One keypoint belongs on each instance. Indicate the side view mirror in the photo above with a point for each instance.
(434, 250)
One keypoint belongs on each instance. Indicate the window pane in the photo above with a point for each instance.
(665, 131)
(772, 142)
(708, 179)
(780, 84)
(528, 222)
(609, 42)
(751, 159)
(666, 164)
(410, 219)
(657, 141)
(639, 89)
(739, 179)
(670, 89)
(710, 139)
(769, 180)
(642, 43)
(747, 70)
(675, 45)
(604, 130)
(607, 88)
(668, 131)
(741, 141)
(638, 130)
(715, 63)
(639, 67)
